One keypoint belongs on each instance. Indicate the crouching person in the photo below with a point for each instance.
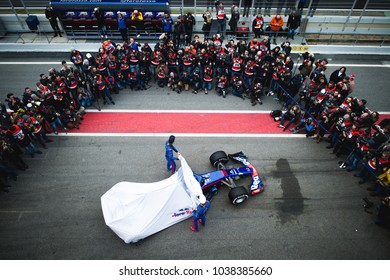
(221, 86)
(70, 119)
(184, 82)
(162, 75)
(238, 87)
(196, 81)
(256, 93)
(305, 124)
(291, 115)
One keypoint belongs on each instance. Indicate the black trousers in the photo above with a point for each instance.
(54, 25)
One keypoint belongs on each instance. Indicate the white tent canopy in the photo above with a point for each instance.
(136, 210)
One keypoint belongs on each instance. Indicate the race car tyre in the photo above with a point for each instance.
(219, 157)
(238, 195)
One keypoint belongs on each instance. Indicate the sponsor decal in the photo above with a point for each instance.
(233, 172)
(182, 212)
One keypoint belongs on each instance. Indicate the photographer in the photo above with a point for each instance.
(255, 94)
(34, 126)
(343, 124)
(18, 136)
(291, 115)
(380, 136)
(70, 119)
(14, 103)
(375, 165)
(346, 143)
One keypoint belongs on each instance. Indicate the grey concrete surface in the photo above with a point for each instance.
(84, 46)
(371, 83)
(310, 209)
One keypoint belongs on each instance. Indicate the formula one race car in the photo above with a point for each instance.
(136, 210)
(222, 176)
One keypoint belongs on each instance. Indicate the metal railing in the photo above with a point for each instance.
(346, 39)
(93, 36)
(357, 17)
(274, 4)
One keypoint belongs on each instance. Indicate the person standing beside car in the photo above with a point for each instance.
(199, 214)
(169, 149)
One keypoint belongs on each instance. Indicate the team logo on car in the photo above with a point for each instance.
(182, 212)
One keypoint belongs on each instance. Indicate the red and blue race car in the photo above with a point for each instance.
(152, 207)
(210, 181)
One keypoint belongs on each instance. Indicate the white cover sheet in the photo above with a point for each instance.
(136, 210)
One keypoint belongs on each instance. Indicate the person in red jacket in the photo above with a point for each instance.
(221, 19)
(257, 25)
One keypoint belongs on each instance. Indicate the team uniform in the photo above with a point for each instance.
(169, 149)
(200, 215)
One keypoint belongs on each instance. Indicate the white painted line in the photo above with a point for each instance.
(187, 111)
(19, 211)
(31, 62)
(183, 111)
(359, 65)
(200, 135)
(179, 111)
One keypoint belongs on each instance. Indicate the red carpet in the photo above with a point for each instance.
(177, 122)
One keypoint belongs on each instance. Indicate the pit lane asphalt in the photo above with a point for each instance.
(310, 209)
(371, 83)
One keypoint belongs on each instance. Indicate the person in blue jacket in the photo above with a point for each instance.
(122, 26)
(200, 213)
(167, 23)
(169, 149)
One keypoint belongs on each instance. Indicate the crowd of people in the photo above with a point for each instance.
(318, 105)
(56, 103)
(243, 69)
(274, 29)
(181, 29)
(240, 68)
(312, 102)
